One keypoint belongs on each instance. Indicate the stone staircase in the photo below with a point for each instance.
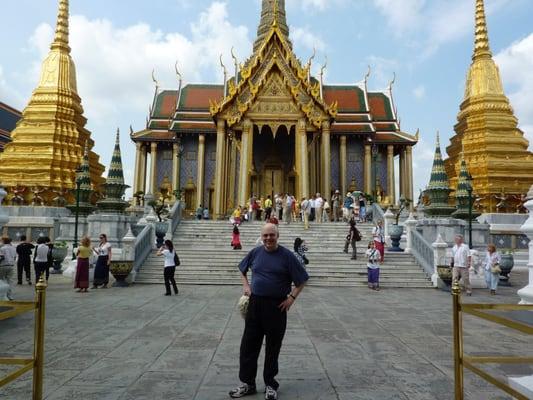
(208, 259)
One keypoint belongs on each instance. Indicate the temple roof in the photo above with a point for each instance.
(8, 121)
(359, 112)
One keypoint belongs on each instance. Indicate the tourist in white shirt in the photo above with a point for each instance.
(171, 262)
(8, 254)
(492, 262)
(319, 204)
(461, 262)
(312, 203)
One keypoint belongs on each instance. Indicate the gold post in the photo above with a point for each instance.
(342, 159)
(200, 170)
(301, 136)
(142, 171)
(368, 168)
(153, 170)
(38, 351)
(403, 177)
(409, 166)
(390, 174)
(326, 160)
(137, 177)
(246, 153)
(219, 168)
(232, 172)
(457, 340)
(176, 161)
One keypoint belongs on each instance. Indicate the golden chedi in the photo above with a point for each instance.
(39, 166)
(495, 150)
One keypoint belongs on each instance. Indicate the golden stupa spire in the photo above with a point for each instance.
(482, 46)
(486, 122)
(272, 15)
(61, 35)
(48, 143)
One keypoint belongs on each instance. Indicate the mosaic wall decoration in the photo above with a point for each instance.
(36, 233)
(335, 163)
(164, 163)
(355, 162)
(189, 167)
(15, 232)
(502, 241)
(382, 168)
(210, 165)
(522, 242)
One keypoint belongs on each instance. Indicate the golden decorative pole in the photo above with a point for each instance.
(403, 173)
(368, 169)
(246, 153)
(409, 167)
(326, 160)
(137, 176)
(142, 174)
(301, 149)
(457, 340)
(176, 161)
(38, 351)
(391, 192)
(342, 162)
(200, 178)
(153, 168)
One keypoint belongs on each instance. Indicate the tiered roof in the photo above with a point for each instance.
(8, 121)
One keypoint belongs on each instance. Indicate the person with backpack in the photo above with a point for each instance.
(171, 262)
(352, 238)
(373, 256)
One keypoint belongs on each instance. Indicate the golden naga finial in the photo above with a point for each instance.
(417, 134)
(178, 73)
(311, 58)
(481, 46)
(131, 130)
(368, 74)
(393, 81)
(323, 68)
(62, 27)
(155, 80)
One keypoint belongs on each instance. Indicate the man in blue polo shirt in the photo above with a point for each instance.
(274, 270)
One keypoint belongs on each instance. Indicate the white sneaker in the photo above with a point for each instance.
(270, 393)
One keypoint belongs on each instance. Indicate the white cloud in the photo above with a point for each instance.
(419, 92)
(316, 5)
(402, 15)
(382, 71)
(516, 66)
(304, 37)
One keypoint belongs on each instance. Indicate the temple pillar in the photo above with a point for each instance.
(326, 160)
(301, 148)
(142, 170)
(176, 165)
(343, 164)
(246, 154)
(137, 174)
(391, 193)
(409, 167)
(200, 177)
(232, 173)
(368, 169)
(219, 169)
(403, 176)
(153, 168)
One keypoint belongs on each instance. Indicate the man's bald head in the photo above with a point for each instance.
(270, 235)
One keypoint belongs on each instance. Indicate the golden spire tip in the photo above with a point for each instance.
(481, 45)
(62, 27)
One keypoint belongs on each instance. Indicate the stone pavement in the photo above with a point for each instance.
(341, 343)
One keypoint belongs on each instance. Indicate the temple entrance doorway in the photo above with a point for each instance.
(273, 160)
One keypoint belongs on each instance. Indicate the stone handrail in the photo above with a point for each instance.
(143, 246)
(377, 213)
(175, 216)
(423, 251)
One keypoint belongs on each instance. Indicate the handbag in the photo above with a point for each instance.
(496, 269)
(176, 260)
(357, 235)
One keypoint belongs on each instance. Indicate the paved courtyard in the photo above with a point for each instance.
(341, 343)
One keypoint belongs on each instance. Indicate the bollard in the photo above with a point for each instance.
(38, 352)
(457, 340)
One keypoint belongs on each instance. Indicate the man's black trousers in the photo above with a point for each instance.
(263, 319)
(23, 266)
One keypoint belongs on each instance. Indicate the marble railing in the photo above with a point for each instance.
(377, 213)
(143, 246)
(423, 251)
(175, 216)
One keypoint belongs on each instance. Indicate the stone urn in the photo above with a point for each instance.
(395, 233)
(445, 274)
(59, 253)
(161, 228)
(120, 271)
(506, 265)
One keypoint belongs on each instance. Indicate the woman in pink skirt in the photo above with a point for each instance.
(82, 271)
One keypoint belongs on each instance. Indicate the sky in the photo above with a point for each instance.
(117, 43)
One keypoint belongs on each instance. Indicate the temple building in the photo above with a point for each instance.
(8, 120)
(495, 149)
(38, 167)
(272, 128)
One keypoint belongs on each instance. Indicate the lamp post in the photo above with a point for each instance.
(470, 190)
(77, 212)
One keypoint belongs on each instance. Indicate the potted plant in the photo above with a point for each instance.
(395, 230)
(161, 226)
(120, 271)
(59, 253)
(506, 265)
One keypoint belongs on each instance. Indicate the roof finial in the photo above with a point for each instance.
(61, 35)
(236, 62)
(155, 81)
(438, 139)
(322, 69)
(393, 81)
(178, 73)
(481, 46)
(276, 10)
(368, 74)
(117, 138)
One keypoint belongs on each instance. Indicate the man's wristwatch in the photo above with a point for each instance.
(290, 295)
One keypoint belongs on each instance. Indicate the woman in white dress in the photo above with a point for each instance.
(492, 268)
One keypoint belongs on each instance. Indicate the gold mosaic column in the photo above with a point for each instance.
(326, 160)
(219, 168)
(246, 153)
(200, 178)
(391, 192)
(301, 148)
(142, 170)
(368, 168)
(232, 173)
(409, 167)
(403, 177)
(137, 174)
(343, 164)
(153, 168)
(176, 166)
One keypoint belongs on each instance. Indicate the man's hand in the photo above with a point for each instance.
(247, 291)
(286, 305)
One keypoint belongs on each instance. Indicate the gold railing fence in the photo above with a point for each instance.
(462, 361)
(36, 362)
